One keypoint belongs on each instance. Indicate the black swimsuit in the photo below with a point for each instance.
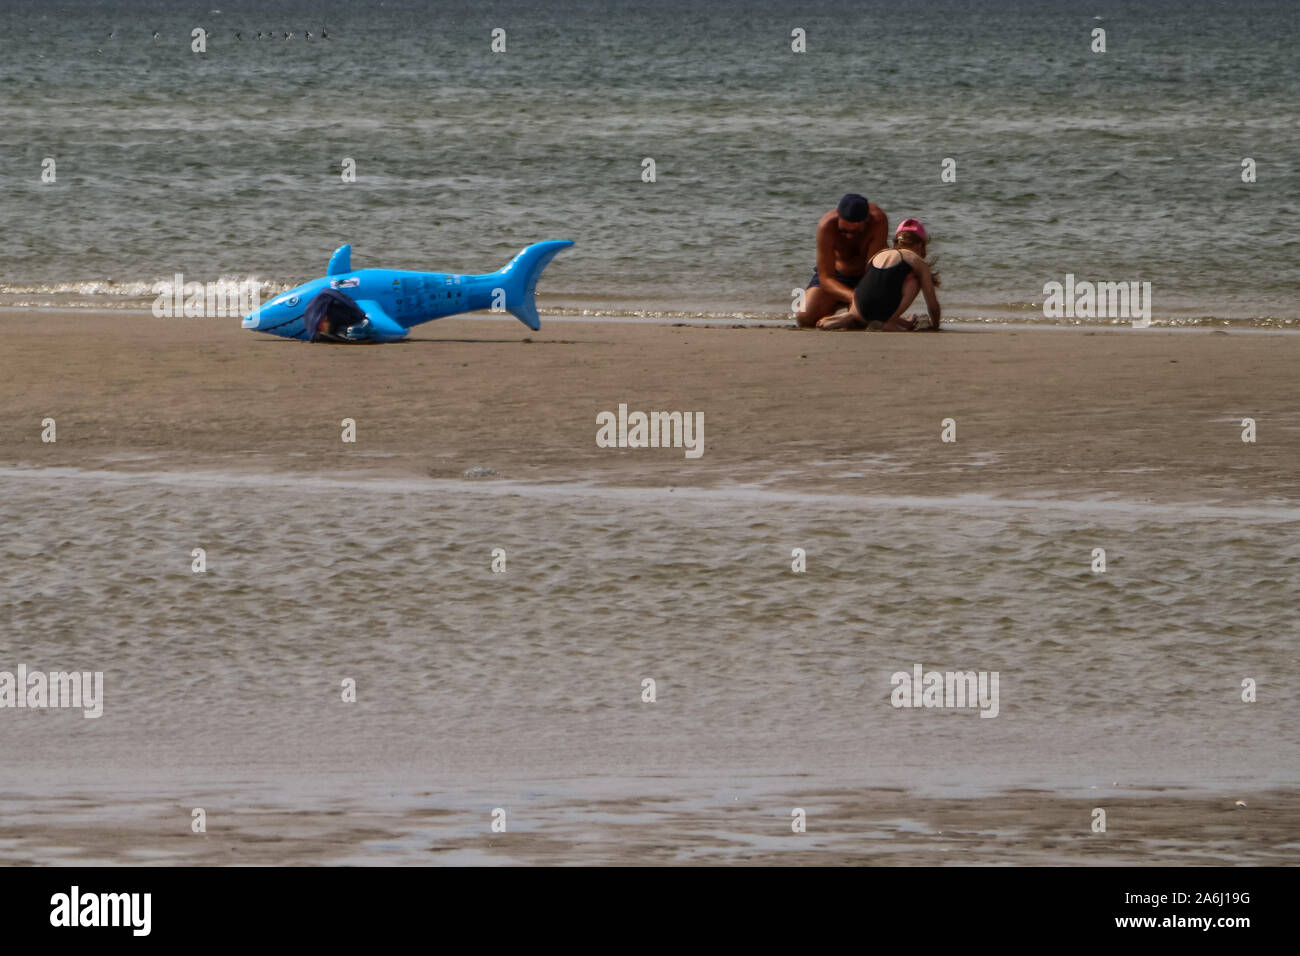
(881, 290)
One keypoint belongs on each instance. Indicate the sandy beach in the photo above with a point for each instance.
(369, 561)
(1151, 415)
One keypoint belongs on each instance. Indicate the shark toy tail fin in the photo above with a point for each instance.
(521, 277)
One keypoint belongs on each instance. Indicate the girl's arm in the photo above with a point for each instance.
(926, 279)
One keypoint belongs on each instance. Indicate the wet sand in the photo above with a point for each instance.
(1152, 415)
(878, 827)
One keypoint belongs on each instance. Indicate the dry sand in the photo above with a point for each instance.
(1146, 415)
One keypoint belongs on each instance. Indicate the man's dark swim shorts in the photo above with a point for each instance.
(850, 281)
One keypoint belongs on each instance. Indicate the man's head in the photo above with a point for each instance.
(853, 211)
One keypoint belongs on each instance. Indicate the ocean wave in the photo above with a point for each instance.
(111, 291)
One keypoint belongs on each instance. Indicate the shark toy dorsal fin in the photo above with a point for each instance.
(341, 261)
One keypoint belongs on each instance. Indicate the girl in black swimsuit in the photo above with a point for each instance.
(893, 279)
(881, 289)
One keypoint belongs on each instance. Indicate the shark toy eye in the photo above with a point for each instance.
(293, 300)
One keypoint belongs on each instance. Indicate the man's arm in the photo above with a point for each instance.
(826, 264)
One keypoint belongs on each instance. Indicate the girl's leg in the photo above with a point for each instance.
(844, 320)
(911, 286)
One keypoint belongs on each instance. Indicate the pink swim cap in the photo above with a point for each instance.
(912, 225)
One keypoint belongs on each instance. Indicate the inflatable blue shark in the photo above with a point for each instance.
(381, 305)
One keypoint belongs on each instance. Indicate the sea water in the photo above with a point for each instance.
(1119, 166)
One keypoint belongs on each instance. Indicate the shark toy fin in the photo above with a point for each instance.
(520, 279)
(341, 261)
(382, 327)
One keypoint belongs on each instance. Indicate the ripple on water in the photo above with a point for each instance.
(543, 665)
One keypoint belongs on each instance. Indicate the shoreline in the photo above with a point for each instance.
(963, 318)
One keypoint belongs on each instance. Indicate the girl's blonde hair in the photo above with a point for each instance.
(914, 243)
(910, 240)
